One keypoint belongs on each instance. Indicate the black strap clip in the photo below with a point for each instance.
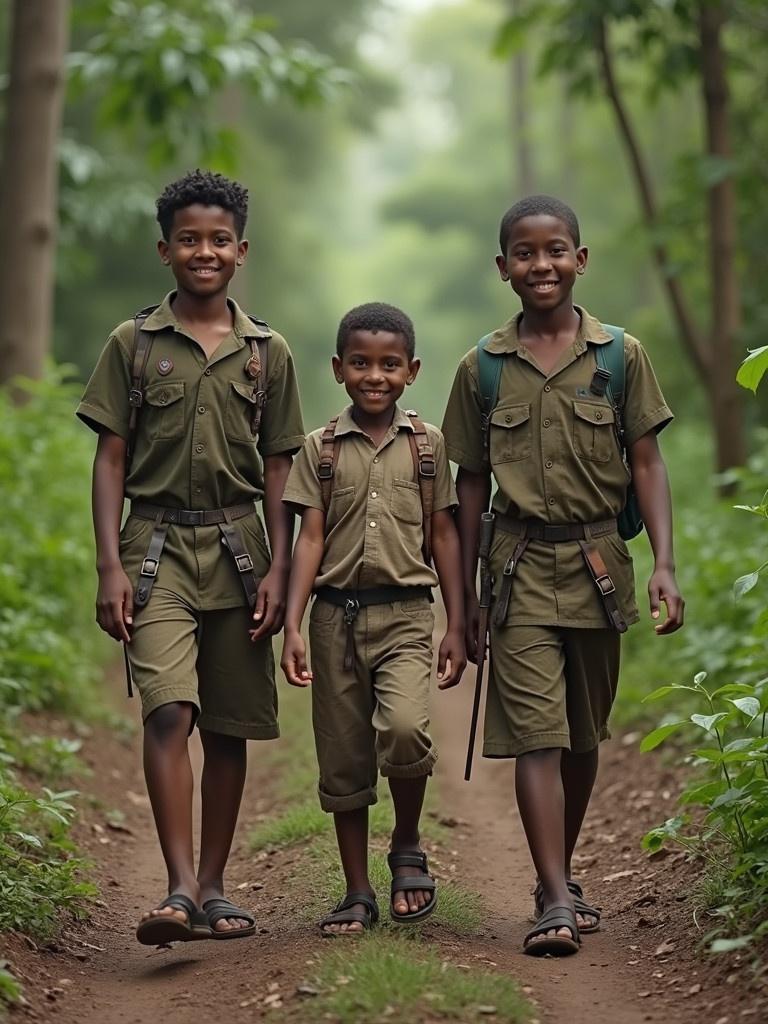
(600, 381)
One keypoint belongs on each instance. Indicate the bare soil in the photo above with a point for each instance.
(645, 965)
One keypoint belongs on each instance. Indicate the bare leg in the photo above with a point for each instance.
(169, 784)
(539, 790)
(222, 789)
(408, 798)
(352, 837)
(578, 772)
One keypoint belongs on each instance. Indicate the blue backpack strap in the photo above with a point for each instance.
(610, 356)
(489, 377)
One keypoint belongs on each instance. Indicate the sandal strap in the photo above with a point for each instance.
(343, 914)
(412, 883)
(557, 916)
(218, 908)
(407, 859)
(178, 901)
(580, 905)
(574, 888)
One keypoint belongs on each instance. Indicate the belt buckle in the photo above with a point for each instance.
(605, 585)
(351, 608)
(149, 567)
(244, 563)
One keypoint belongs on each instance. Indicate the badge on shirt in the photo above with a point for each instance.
(164, 367)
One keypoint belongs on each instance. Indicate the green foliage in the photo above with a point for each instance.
(10, 990)
(377, 977)
(731, 785)
(753, 369)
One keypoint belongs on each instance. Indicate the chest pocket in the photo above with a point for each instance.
(510, 433)
(163, 411)
(341, 502)
(406, 501)
(594, 438)
(242, 402)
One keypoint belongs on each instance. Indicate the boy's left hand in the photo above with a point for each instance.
(269, 611)
(662, 586)
(451, 659)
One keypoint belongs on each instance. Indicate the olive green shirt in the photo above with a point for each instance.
(374, 525)
(194, 447)
(555, 457)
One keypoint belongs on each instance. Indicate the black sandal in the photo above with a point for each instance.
(557, 916)
(161, 929)
(411, 883)
(342, 913)
(579, 905)
(219, 909)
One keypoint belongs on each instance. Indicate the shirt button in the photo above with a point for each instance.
(598, 416)
(374, 494)
(198, 490)
(547, 387)
(547, 422)
(372, 524)
(163, 397)
(201, 409)
(199, 447)
(548, 463)
(376, 459)
(208, 373)
(551, 501)
(508, 419)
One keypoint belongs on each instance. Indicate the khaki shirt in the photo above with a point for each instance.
(194, 447)
(374, 525)
(555, 457)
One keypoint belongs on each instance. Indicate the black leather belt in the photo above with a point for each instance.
(191, 517)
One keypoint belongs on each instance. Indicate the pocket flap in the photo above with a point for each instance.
(511, 415)
(246, 391)
(597, 415)
(164, 393)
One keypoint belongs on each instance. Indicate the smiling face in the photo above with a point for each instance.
(203, 249)
(375, 369)
(541, 262)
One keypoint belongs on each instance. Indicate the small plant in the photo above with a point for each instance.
(732, 837)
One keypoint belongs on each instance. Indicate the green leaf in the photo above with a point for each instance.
(730, 796)
(729, 945)
(661, 692)
(653, 739)
(699, 678)
(753, 368)
(750, 706)
(744, 584)
(707, 722)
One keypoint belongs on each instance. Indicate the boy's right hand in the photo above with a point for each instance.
(294, 659)
(114, 603)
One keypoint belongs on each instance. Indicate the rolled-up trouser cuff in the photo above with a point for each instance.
(525, 744)
(410, 771)
(353, 802)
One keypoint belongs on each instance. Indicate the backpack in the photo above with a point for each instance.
(423, 468)
(610, 359)
(142, 346)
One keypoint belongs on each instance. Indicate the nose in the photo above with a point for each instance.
(541, 261)
(374, 375)
(204, 250)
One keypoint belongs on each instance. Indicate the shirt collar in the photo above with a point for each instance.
(242, 325)
(507, 339)
(347, 425)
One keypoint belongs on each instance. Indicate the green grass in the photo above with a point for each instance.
(393, 976)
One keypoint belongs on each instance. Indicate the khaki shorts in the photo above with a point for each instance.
(205, 658)
(549, 686)
(374, 718)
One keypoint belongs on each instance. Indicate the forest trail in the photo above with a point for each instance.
(639, 968)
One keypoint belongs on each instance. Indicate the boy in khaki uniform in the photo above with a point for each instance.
(190, 571)
(552, 448)
(364, 549)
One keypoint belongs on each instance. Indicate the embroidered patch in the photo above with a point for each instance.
(253, 368)
(164, 367)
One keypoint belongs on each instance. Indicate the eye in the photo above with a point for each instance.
(522, 254)
(558, 250)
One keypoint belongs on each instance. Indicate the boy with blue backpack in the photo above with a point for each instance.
(563, 412)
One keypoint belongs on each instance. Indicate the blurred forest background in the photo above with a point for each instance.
(381, 141)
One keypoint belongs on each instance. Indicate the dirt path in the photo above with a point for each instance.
(639, 968)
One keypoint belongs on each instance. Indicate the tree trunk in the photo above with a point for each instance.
(726, 395)
(28, 183)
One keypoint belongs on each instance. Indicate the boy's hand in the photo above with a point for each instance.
(269, 611)
(451, 660)
(472, 617)
(294, 660)
(114, 603)
(662, 586)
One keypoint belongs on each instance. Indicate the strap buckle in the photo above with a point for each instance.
(149, 567)
(427, 467)
(136, 397)
(351, 610)
(605, 585)
(244, 563)
(191, 517)
(325, 471)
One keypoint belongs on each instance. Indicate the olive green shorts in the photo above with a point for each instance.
(204, 658)
(374, 718)
(549, 686)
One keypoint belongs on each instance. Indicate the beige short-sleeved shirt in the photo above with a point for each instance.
(555, 457)
(374, 528)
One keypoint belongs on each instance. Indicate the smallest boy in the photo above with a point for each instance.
(370, 630)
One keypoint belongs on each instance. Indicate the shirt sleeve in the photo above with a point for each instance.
(463, 423)
(302, 489)
(282, 427)
(445, 492)
(105, 404)
(644, 405)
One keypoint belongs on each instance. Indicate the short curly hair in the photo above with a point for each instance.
(536, 206)
(207, 188)
(376, 316)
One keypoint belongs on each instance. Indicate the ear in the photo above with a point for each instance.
(336, 363)
(501, 264)
(413, 370)
(582, 255)
(163, 249)
(242, 251)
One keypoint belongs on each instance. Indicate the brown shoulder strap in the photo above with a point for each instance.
(142, 343)
(329, 456)
(258, 361)
(424, 471)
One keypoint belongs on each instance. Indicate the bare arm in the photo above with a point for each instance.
(307, 557)
(649, 475)
(446, 550)
(114, 600)
(474, 492)
(278, 517)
